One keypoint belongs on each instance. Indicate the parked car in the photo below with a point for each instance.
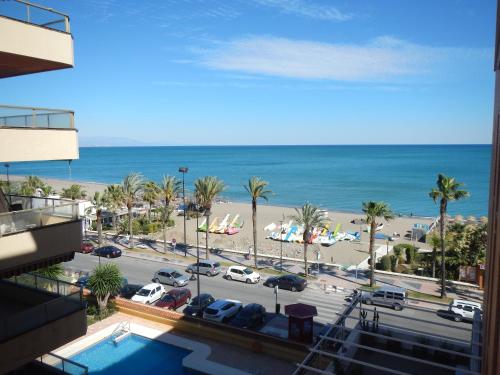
(82, 281)
(108, 252)
(86, 248)
(207, 267)
(390, 296)
(129, 290)
(463, 310)
(242, 273)
(174, 298)
(290, 282)
(149, 293)
(221, 310)
(195, 309)
(251, 316)
(170, 276)
(142, 246)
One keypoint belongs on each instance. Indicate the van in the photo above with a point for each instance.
(207, 267)
(386, 296)
(464, 310)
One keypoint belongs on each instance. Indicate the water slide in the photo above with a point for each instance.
(290, 232)
(337, 228)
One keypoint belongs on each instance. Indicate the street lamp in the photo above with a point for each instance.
(184, 170)
(7, 165)
(281, 243)
(198, 256)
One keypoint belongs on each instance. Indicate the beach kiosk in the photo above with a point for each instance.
(300, 321)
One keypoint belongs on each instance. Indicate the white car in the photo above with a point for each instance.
(149, 293)
(242, 273)
(222, 309)
(142, 246)
(464, 310)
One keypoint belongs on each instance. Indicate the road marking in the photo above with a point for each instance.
(327, 304)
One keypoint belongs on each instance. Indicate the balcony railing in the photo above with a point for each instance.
(47, 212)
(35, 14)
(66, 298)
(31, 117)
(66, 365)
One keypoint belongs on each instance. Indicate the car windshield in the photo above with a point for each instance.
(211, 311)
(194, 301)
(144, 292)
(167, 297)
(175, 275)
(248, 271)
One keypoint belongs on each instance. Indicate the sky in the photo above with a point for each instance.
(230, 72)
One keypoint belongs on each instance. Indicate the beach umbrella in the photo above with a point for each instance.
(483, 219)
(459, 218)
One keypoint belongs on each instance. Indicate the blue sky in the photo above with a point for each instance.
(177, 72)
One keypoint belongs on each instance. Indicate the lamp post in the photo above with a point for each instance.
(184, 170)
(198, 257)
(7, 165)
(281, 243)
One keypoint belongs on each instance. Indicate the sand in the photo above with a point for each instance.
(343, 252)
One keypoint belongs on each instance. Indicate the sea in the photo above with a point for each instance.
(333, 177)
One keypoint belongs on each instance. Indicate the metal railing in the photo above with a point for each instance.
(19, 221)
(32, 117)
(35, 14)
(66, 365)
(61, 299)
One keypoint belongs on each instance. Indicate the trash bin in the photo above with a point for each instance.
(278, 308)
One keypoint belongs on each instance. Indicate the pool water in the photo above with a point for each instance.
(133, 355)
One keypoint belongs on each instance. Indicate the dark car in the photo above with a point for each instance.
(290, 282)
(129, 290)
(193, 310)
(251, 316)
(83, 281)
(86, 248)
(174, 298)
(108, 252)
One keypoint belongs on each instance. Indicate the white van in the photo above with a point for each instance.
(464, 310)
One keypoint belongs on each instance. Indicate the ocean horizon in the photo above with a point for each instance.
(336, 177)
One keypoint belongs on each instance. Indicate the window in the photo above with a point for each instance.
(389, 295)
(399, 296)
(468, 308)
(378, 294)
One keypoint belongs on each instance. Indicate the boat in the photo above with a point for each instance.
(232, 230)
(270, 227)
(290, 233)
(213, 226)
(223, 225)
(232, 227)
(327, 240)
(203, 226)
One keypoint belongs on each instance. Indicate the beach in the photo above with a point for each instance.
(342, 252)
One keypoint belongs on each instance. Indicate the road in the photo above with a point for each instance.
(141, 271)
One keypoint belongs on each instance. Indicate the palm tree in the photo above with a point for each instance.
(53, 272)
(30, 184)
(170, 189)
(105, 281)
(374, 211)
(75, 191)
(435, 242)
(309, 216)
(114, 200)
(206, 190)
(131, 187)
(446, 190)
(98, 202)
(151, 193)
(257, 189)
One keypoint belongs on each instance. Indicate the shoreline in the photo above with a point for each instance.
(92, 186)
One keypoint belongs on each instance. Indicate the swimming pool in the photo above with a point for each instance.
(135, 355)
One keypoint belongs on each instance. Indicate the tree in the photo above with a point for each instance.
(105, 281)
(53, 272)
(98, 202)
(446, 190)
(131, 187)
(30, 184)
(257, 189)
(206, 190)
(435, 242)
(309, 217)
(170, 189)
(375, 211)
(113, 195)
(75, 191)
(151, 193)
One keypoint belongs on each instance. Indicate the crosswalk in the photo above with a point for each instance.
(328, 304)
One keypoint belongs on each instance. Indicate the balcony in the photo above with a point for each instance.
(33, 39)
(39, 233)
(37, 315)
(36, 134)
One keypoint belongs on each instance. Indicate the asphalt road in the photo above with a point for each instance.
(139, 271)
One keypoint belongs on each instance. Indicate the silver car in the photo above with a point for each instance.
(386, 296)
(170, 276)
(207, 267)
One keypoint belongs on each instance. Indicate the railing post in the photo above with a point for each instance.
(28, 13)
(58, 288)
(66, 24)
(36, 282)
(33, 118)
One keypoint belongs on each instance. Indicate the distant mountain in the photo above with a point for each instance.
(110, 142)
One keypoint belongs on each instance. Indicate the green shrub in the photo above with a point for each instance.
(411, 252)
(385, 263)
(394, 263)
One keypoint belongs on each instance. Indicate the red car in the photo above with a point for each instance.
(174, 298)
(86, 248)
